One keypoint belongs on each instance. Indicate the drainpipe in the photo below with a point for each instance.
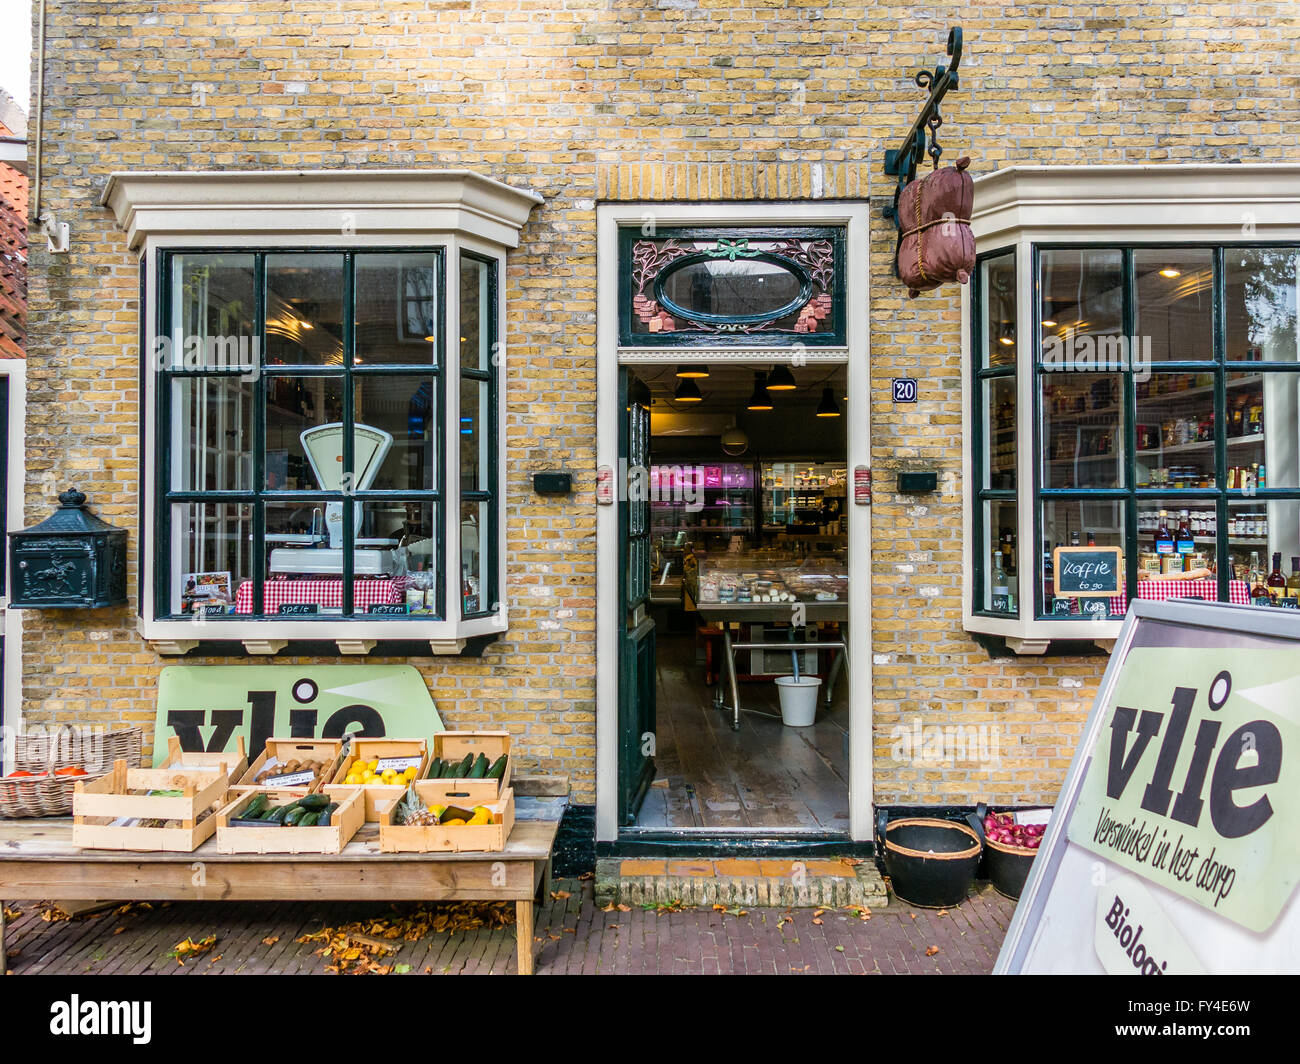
(40, 107)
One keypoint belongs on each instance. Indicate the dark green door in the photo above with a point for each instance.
(636, 647)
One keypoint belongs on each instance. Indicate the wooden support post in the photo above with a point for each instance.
(4, 958)
(524, 935)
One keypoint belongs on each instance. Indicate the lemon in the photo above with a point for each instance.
(367, 776)
(374, 765)
(410, 773)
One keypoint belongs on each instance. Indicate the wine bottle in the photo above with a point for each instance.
(1292, 600)
(1276, 583)
(1255, 581)
(1001, 590)
(1164, 539)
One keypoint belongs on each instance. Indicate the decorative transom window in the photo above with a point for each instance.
(723, 285)
(322, 455)
(1134, 404)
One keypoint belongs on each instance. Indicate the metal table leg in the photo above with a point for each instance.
(731, 677)
(840, 663)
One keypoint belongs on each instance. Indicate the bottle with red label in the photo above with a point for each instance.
(1164, 538)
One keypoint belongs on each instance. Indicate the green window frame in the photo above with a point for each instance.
(253, 491)
(1223, 369)
(993, 372)
(482, 499)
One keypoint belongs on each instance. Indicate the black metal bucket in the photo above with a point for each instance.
(931, 862)
(1008, 866)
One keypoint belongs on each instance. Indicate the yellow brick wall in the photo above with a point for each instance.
(696, 99)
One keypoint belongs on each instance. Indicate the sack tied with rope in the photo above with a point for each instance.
(937, 245)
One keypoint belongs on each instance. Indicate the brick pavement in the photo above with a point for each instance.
(574, 936)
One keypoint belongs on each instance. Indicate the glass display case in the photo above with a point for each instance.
(804, 497)
(692, 501)
(770, 577)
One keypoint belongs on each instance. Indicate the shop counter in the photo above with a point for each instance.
(38, 860)
(725, 614)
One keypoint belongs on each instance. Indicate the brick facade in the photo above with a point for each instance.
(683, 99)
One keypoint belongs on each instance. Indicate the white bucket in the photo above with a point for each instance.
(798, 699)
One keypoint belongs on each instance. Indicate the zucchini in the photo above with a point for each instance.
(480, 767)
(326, 815)
(254, 809)
(294, 817)
(498, 768)
(277, 815)
(462, 770)
(435, 768)
(315, 802)
(309, 819)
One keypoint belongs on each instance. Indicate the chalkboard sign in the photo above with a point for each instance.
(298, 608)
(397, 608)
(1088, 572)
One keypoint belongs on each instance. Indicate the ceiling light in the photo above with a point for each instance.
(695, 371)
(760, 400)
(1171, 272)
(688, 392)
(305, 324)
(1049, 323)
(780, 380)
(1008, 336)
(828, 407)
(734, 441)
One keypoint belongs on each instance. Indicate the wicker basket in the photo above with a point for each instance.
(44, 752)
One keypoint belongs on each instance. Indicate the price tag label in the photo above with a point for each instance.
(400, 764)
(293, 779)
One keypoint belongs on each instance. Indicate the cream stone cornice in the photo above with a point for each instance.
(299, 203)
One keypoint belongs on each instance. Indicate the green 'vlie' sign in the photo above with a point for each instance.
(207, 706)
(1195, 782)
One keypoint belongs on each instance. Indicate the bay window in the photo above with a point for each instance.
(1136, 386)
(322, 417)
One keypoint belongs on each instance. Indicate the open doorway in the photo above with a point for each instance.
(736, 583)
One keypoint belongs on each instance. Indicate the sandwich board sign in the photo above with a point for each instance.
(1173, 847)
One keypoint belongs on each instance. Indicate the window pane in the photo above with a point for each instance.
(998, 311)
(295, 405)
(1083, 430)
(411, 526)
(476, 331)
(1080, 523)
(475, 549)
(211, 434)
(397, 318)
(1001, 590)
(475, 443)
(1175, 296)
(1263, 412)
(999, 433)
(1083, 296)
(406, 409)
(1177, 537)
(212, 314)
(1259, 529)
(1260, 306)
(211, 555)
(304, 309)
(1174, 432)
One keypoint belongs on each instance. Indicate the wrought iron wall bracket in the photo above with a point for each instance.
(923, 138)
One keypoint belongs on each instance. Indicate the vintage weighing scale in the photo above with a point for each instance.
(320, 551)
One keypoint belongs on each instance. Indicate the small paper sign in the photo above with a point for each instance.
(399, 764)
(293, 779)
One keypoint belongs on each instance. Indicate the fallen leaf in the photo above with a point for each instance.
(401, 969)
(819, 912)
(559, 894)
(609, 908)
(912, 915)
(270, 940)
(817, 921)
(943, 912)
(12, 914)
(839, 949)
(190, 948)
(553, 938)
(931, 951)
(118, 930)
(624, 908)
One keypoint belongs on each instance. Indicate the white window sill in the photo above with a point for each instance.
(1029, 637)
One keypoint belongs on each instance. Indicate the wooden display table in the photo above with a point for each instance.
(38, 860)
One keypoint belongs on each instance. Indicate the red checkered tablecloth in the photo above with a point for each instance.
(327, 593)
(1208, 590)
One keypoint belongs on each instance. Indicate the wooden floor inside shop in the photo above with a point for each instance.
(763, 776)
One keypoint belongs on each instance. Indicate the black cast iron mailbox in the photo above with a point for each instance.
(71, 560)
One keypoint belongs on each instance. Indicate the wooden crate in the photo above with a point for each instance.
(233, 762)
(345, 823)
(454, 745)
(286, 750)
(479, 838)
(378, 796)
(96, 805)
